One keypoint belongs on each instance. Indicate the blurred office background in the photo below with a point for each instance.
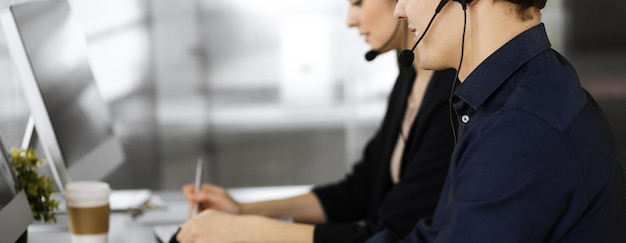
(272, 92)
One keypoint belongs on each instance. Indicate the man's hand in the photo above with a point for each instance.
(215, 226)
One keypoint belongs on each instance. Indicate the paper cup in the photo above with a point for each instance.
(88, 210)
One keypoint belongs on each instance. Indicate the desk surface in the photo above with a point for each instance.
(124, 228)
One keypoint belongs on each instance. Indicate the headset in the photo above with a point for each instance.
(406, 57)
(372, 54)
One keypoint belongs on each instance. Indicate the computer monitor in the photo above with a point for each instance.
(71, 119)
(15, 214)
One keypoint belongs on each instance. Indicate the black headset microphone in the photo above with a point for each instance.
(372, 54)
(407, 56)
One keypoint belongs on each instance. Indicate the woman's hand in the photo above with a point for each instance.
(211, 197)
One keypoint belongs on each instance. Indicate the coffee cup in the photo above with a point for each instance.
(88, 210)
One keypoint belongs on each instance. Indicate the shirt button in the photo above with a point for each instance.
(465, 119)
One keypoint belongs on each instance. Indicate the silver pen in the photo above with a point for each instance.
(197, 185)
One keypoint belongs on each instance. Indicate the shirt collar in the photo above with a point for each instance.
(498, 67)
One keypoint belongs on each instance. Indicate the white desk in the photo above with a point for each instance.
(123, 228)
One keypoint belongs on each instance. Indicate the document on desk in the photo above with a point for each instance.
(121, 200)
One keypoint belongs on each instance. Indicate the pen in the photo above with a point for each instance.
(197, 185)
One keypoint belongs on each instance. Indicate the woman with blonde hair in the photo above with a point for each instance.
(397, 181)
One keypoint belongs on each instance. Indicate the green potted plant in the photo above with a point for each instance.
(38, 188)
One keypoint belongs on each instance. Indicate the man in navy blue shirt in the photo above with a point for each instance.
(535, 159)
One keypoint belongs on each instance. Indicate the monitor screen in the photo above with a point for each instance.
(71, 119)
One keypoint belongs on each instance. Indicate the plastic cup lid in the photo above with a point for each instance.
(82, 189)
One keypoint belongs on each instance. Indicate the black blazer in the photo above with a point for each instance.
(366, 201)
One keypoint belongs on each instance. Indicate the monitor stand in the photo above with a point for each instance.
(30, 140)
(16, 215)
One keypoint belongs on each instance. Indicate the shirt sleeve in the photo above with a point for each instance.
(514, 183)
(341, 232)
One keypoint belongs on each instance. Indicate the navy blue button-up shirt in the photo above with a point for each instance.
(535, 159)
